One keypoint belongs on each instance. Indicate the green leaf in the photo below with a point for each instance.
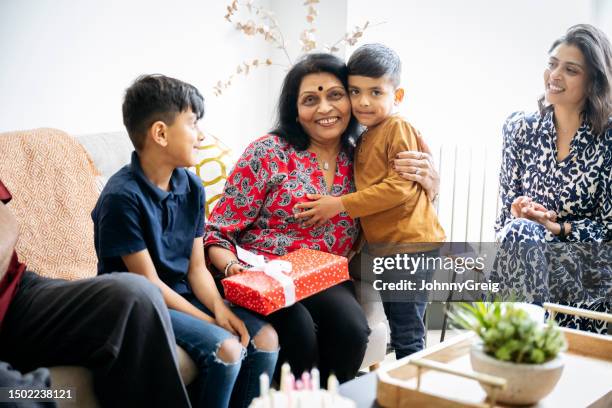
(508, 333)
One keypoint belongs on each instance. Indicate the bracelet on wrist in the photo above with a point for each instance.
(434, 200)
(230, 264)
(562, 234)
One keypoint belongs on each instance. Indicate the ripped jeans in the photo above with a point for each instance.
(221, 384)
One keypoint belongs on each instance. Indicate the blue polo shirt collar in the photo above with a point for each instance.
(178, 181)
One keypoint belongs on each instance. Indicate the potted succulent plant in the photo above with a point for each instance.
(512, 345)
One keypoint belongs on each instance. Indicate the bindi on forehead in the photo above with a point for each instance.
(319, 82)
(319, 88)
(314, 89)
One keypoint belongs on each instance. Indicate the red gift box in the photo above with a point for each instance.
(312, 271)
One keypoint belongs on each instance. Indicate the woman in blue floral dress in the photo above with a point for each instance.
(555, 222)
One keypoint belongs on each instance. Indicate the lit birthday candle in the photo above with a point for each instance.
(285, 379)
(304, 392)
(332, 384)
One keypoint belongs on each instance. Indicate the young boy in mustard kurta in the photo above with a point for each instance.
(394, 213)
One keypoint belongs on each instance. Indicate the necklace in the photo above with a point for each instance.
(569, 129)
(325, 164)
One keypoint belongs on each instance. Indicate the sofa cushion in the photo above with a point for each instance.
(214, 164)
(53, 182)
(187, 367)
(111, 151)
(81, 379)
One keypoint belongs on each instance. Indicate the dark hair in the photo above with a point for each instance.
(375, 61)
(287, 126)
(153, 98)
(595, 48)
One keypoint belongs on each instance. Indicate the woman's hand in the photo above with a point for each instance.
(319, 211)
(525, 207)
(235, 269)
(419, 167)
(225, 318)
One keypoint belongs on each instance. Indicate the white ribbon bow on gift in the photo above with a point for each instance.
(276, 269)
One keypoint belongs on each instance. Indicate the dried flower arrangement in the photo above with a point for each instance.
(262, 22)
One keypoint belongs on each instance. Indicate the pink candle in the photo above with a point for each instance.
(306, 381)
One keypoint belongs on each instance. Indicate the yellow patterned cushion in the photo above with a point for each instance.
(214, 163)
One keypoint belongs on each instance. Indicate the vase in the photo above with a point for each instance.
(526, 383)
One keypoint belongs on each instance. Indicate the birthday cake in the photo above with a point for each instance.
(302, 399)
(303, 393)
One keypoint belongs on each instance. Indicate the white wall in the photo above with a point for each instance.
(467, 65)
(331, 26)
(66, 63)
(602, 15)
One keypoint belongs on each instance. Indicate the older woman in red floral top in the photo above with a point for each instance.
(307, 155)
(256, 210)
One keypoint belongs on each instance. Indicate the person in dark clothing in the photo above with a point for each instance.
(116, 325)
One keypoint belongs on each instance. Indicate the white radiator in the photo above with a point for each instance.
(469, 191)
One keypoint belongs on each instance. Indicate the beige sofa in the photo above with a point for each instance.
(111, 151)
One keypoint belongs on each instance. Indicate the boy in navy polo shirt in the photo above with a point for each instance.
(149, 220)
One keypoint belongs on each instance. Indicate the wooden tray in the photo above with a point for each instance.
(441, 376)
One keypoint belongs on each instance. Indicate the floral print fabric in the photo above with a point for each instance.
(578, 188)
(533, 263)
(256, 210)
